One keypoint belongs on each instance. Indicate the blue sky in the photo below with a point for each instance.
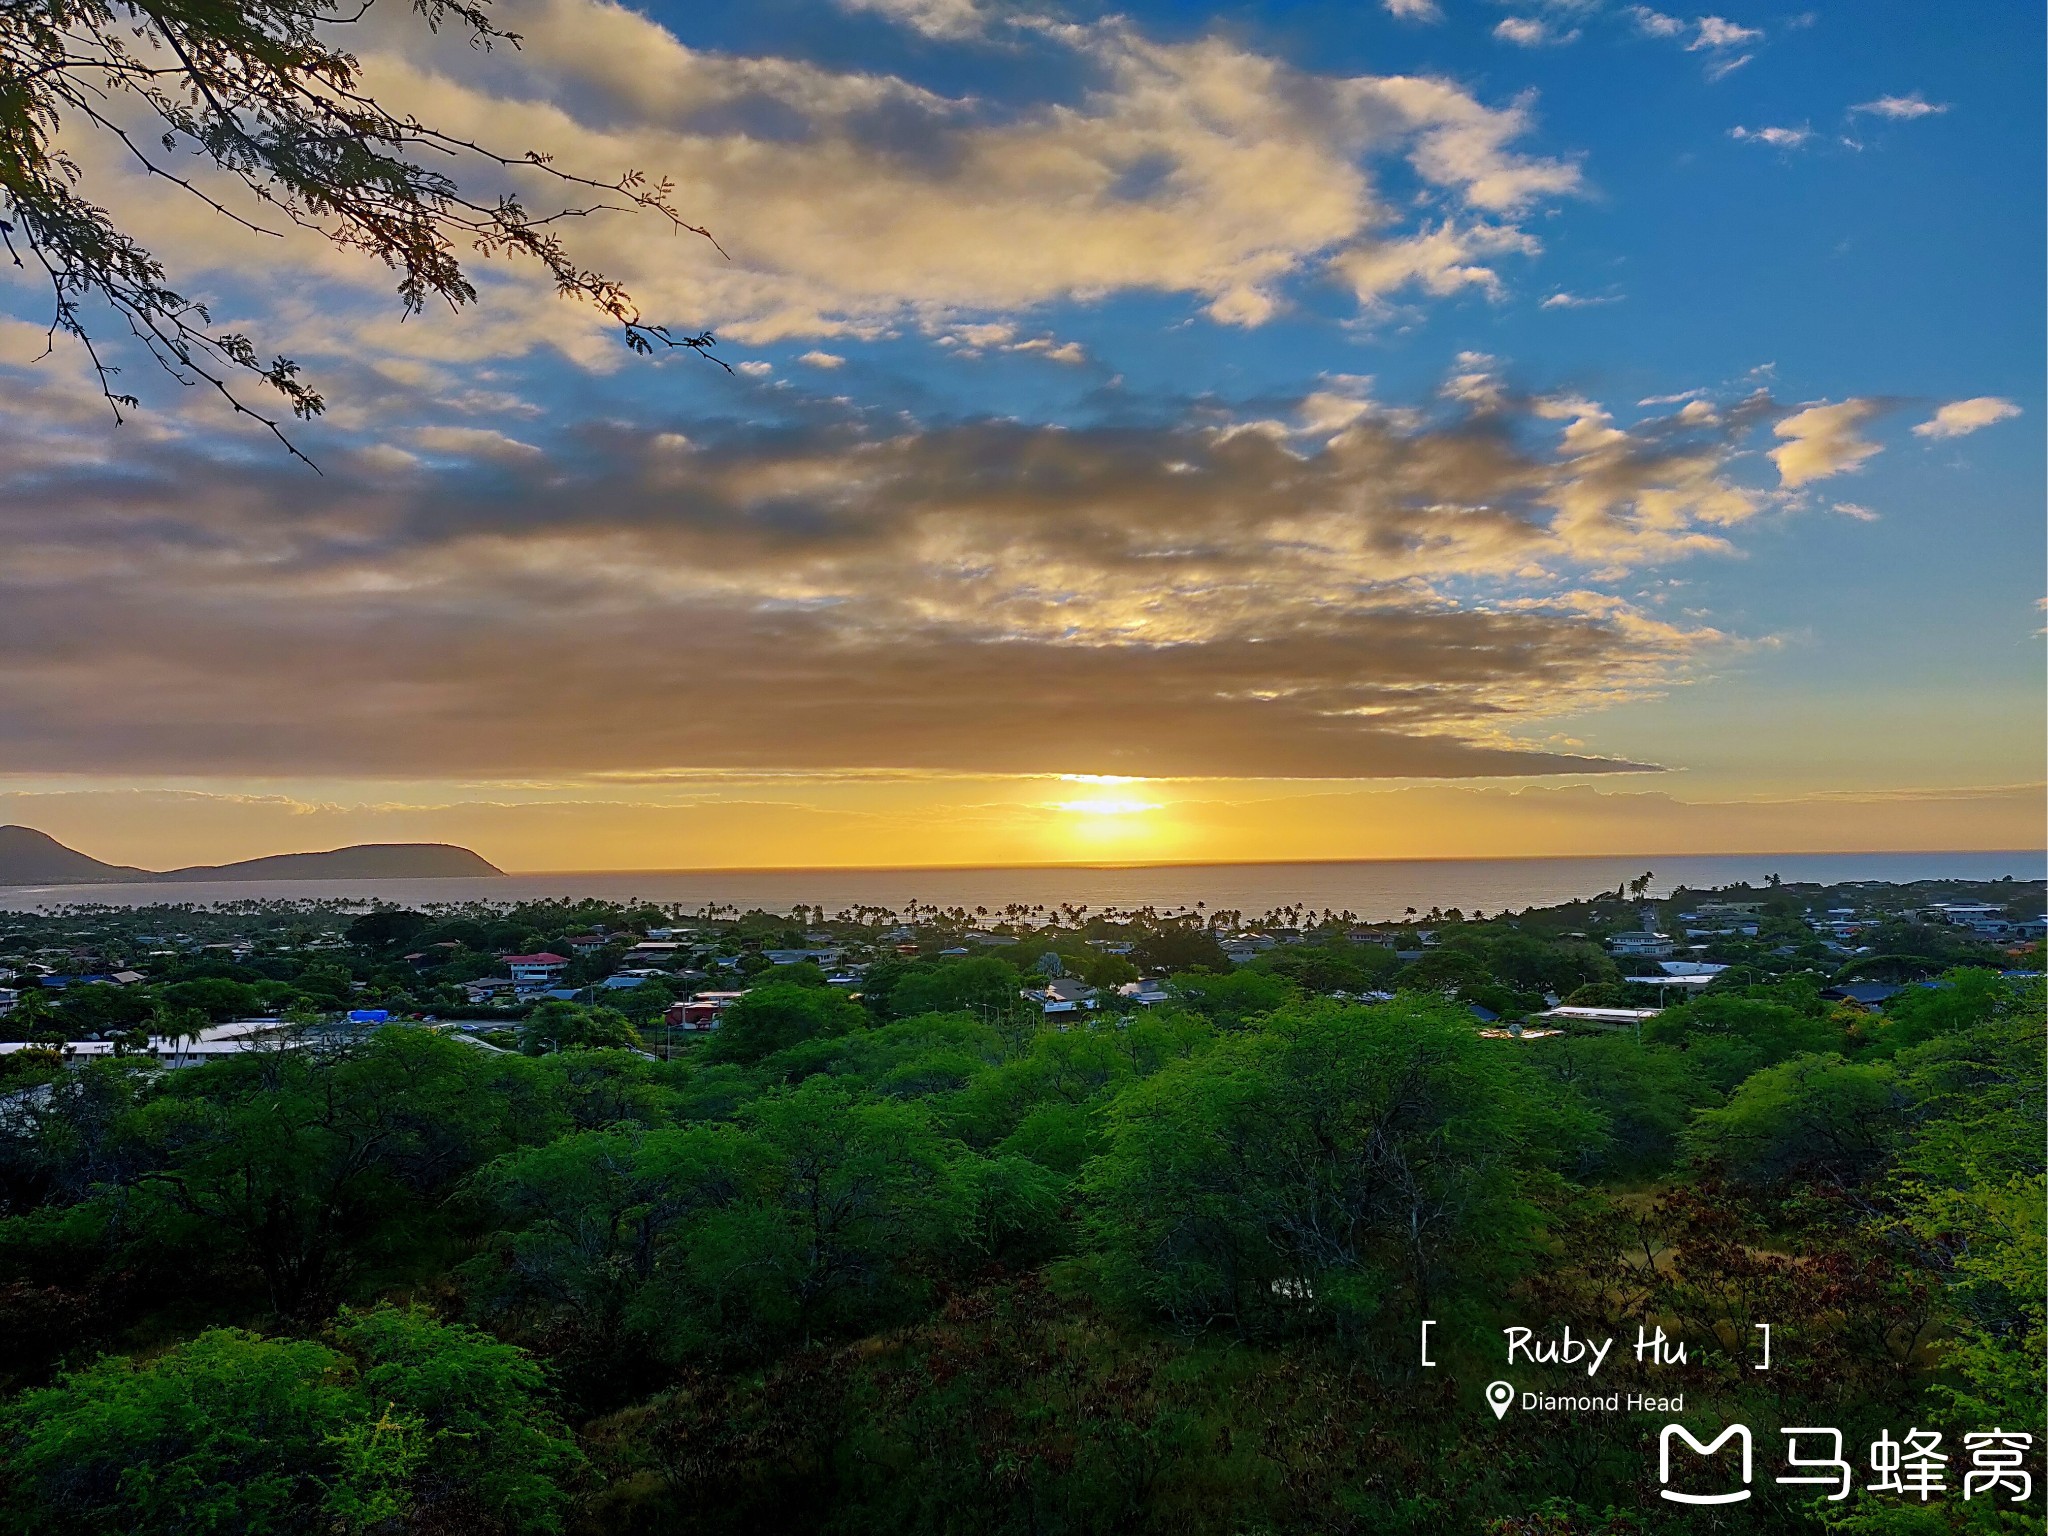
(1560, 392)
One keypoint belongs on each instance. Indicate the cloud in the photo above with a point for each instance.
(1532, 32)
(822, 359)
(812, 824)
(1564, 300)
(933, 18)
(1439, 261)
(1721, 69)
(1857, 510)
(1777, 138)
(1001, 336)
(1714, 32)
(857, 203)
(1959, 418)
(484, 442)
(1413, 10)
(1655, 23)
(1902, 108)
(1052, 351)
(1823, 440)
(1371, 592)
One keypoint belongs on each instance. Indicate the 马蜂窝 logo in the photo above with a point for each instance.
(1739, 1432)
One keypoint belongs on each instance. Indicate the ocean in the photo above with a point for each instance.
(1375, 890)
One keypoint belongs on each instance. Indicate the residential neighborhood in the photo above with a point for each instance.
(159, 979)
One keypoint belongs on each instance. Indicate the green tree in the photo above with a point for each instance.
(267, 93)
(412, 1424)
(287, 1163)
(555, 1026)
(981, 984)
(1729, 1037)
(777, 1015)
(1325, 968)
(215, 996)
(1961, 1000)
(489, 1442)
(645, 1004)
(593, 1226)
(230, 1433)
(99, 1009)
(865, 1207)
(1812, 1115)
(1108, 971)
(1972, 1189)
(385, 928)
(34, 1016)
(1328, 1163)
(1182, 947)
(1232, 998)
(1643, 1094)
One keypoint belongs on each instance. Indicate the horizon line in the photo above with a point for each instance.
(1450, 858)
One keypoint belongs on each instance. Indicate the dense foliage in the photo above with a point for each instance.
(921, 1262)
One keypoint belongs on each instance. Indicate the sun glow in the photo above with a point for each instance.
(1113, 818)
(1107, 807)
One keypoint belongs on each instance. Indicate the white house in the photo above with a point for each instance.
(534, 973)
(1642, 946)
(1603, 1018)
(1062, 996)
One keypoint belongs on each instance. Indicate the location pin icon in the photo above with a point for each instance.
(1500, 1395)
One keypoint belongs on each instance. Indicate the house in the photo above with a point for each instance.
(701, 1011)
(1247, 946)
(1642, 945)
(588, 943)
(824, 959)
(1062, 996)
(1966, 913)
(1146, 992)
(620, 980)
(486, 988)
(532, 972)
(1707, 911)
(209, 1044)
(1870, 996)
(652, 952)
(1685, 975)
(1600, 1018)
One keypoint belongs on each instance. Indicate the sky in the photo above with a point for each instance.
(1426, 428)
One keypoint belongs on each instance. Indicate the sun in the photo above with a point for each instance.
(1112, 817)
(1110, 805)
(1107, 807)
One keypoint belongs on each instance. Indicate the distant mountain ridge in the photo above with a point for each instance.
(29, 857)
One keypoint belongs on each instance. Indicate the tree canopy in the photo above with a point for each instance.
(257, 111)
